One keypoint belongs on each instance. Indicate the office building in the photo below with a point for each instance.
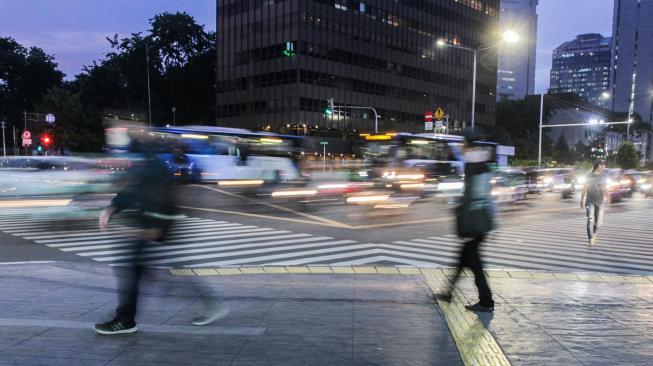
(516, 65)
(582, 66)
(279, 61)
(631, 81)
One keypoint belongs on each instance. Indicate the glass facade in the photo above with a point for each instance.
(516, 67)
(279, 61)
(582, 66)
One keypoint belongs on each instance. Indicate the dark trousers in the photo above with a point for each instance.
(471, 258)
(128, 287)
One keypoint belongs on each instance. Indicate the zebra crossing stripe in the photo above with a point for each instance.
(331, 249)
(591, 254)
(496, 251)
(578, 237)
(129, 257)
(100, 235)
(247, 252)
(603, 248)
(167, 247)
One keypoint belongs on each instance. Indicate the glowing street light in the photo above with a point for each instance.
(507, 37)
(510, 36)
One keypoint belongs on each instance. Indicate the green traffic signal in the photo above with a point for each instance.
(39, 148)
(328, 112)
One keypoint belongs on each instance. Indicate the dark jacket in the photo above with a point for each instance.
(149, 187)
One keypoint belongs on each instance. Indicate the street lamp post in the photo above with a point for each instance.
(149, 96)
(174, 117)
(508, 37)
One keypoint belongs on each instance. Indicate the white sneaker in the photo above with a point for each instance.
(219, 312)
(593, 241)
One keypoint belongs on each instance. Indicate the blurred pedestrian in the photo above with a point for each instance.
(594, 194)
(474, 218)
(149, 187)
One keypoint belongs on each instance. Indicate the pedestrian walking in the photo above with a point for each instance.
(148, 187)
(474, 219)
(594, 194)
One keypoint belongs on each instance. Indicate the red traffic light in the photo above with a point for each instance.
(46, 139)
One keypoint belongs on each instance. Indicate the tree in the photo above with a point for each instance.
(561, 151)
(519, 119)
(77, 128)
(181, 67)
(25, 76)
(627, 156)
(582, 152)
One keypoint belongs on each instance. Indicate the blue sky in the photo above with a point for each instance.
(74, 30)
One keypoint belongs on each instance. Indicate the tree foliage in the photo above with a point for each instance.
(25, 76)
(517, 123)
(561, 151)
(627, 156)
(77, 128)
(180, 57)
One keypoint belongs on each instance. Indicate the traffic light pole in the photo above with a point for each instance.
(376, 115)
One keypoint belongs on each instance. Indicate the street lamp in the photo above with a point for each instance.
(507, 37)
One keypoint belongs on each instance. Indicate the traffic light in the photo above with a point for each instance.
(46, 140)
(329, 109)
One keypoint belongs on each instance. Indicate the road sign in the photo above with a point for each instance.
(324, 143)
(439, 114)
(428, 116)
(438, 124)
(49, 118)
(428, 126)
(27, 142)
(27, 135)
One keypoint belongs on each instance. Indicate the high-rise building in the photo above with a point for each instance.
(516, 66)
(582, 66)
(279, 61)
(631, 80)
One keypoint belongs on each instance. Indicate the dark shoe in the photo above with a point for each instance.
(116, 326)
(480, 307)
(446, 297)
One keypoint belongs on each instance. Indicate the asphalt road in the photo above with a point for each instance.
(236, 227)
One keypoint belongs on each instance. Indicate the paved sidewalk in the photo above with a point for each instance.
(48, 312)
(358, 316)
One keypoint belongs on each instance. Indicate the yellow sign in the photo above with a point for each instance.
(439, 114)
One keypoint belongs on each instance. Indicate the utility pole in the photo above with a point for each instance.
(539, 150)
(149, 97)
(4, 147)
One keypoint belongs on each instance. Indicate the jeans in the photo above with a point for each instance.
(471, 258)
(594, 218)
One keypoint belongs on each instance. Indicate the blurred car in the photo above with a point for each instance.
(646, 186)
(182, 167)
(535, 181)
(619, 184)
(638, 178)
(65, 188)
(46, 176)
(509, 185)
